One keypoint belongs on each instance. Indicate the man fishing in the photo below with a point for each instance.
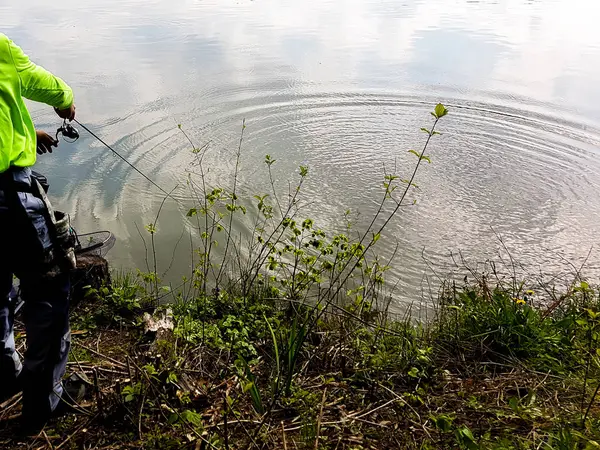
(29, 248)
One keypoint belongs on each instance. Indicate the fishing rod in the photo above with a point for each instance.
(95, 243)
(71, 134)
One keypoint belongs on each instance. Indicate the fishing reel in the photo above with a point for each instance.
(68, 131)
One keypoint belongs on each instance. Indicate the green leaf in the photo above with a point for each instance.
(268, 160)
(172, 378)
(192, 212)
(376, 237)
(414, 372)
(426, 158)
(276, 347)
(565, 323)
(151, 228)
(465, 436)
(192, 417)
(443, 423)
(440, 111)
(414, 152)
(150, 369)
(409, 183)
(425, 130)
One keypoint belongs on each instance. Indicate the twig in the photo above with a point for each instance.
(145, 246)
(76, 360)
(591, 402)
(354, 416)
(153, 244)
(233, 202)
(140, 417)
(114, 372)
(226, 426)
(283, 435)
(10, 403)
(50, 446)
(114, 361)
(319, 420)
(371, 423)
(69, 437)
(97, 393)
(401, 399)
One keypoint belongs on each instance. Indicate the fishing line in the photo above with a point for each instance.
(119, 155)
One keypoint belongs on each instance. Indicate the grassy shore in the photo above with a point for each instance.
(491, 370)
(283, 340)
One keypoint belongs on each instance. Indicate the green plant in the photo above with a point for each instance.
(131, 392)
(251, 387)
(465, 438)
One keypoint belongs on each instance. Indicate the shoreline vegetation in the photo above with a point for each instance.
(285, 341)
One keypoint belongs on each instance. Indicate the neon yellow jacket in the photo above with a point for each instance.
(19, 78)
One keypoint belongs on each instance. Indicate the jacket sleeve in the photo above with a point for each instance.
(38, 84)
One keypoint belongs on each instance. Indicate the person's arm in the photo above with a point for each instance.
(40, 85)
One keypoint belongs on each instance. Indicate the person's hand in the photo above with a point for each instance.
(67, 114)
(44, 142)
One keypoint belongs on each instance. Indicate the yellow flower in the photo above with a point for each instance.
(529, 292)
(519, 301)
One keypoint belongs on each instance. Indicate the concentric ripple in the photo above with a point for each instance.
(344, 88)
(527, 178)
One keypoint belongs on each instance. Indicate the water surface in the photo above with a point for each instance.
(343, 87)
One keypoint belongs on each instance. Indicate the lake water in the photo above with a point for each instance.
(343, 87)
